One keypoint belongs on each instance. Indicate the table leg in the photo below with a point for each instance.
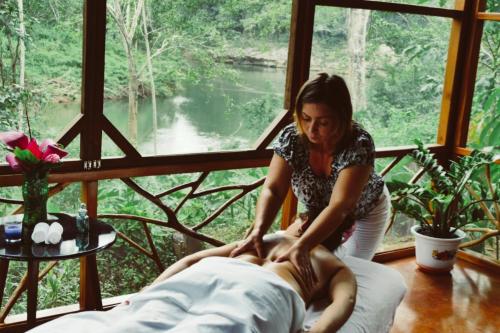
(4, 269)
(32, 291)
(90, 290)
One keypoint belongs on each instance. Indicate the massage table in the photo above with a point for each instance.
(245, 299)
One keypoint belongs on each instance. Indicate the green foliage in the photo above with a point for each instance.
(259, 113)
(484, 127)
(440, 204)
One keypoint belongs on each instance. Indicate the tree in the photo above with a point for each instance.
(127, 19)
(151, 76)
(22, 58)
(357, 24)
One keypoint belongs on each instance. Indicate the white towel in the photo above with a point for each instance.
(54, 234)
(40, 232)
(213, 296)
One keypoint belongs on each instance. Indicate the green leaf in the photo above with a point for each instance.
(26, 156)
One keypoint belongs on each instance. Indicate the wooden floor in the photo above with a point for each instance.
(465, 301)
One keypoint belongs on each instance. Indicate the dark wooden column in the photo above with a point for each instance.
(94, 37)
(4, 269)
(299, 61)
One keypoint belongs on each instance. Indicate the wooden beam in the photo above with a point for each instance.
(273, 129)
(388, 256)
(114, 134)
(94, 39)
(113, 168)
(468, 83)
(289, 209)
(449, 78)
(488, 16)
(71, 131)
(480, 260)
(299, 49)
(299, 60)
(391, 7)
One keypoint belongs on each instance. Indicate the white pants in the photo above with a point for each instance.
(369, 231)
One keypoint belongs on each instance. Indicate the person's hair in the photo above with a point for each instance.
(332, 91)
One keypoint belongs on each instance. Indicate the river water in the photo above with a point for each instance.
(208, 116)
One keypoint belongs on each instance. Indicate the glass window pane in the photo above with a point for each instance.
(218, 73)
(394, 65)
(492, 6)
(484, 125)
(41, 58)
(399, 234)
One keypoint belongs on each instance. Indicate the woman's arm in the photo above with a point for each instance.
(343, 296)
(270, 200)
(345, 194)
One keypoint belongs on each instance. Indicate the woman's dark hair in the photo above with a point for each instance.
(332, 91)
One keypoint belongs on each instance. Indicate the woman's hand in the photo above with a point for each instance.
(252, 242)
(300, 258)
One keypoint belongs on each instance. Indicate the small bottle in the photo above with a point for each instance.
(82, 219)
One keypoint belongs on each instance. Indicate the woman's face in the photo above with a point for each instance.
(318, 124)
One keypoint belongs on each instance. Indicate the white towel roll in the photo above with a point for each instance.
(40, 232)
(54, 234)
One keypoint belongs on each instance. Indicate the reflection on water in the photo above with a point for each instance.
(204, 117)
(180, 137)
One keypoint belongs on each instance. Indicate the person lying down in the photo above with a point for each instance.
(210, 292)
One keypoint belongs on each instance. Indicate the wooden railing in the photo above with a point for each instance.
(452, 133)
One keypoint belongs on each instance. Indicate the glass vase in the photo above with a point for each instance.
(35, 194)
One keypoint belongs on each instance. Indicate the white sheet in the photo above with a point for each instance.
(245, 298)
(380, 291)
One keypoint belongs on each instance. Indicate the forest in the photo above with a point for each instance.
(158, 51)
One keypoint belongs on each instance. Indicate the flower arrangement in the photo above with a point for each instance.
(27, 155)
(34, 161)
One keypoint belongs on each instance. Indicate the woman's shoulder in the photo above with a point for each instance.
(360, 150)
(288, 144)
(290, 131)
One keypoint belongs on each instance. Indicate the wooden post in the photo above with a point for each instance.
(32, 291)
(4, 269)
(460, 76)
(299, 60)
(94, 40)
(289, 209)
(90, 290)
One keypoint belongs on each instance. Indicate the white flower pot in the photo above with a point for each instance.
(436, 255)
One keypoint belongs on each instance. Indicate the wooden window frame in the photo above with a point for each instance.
(468, 18)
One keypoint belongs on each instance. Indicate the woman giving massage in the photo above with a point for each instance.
(329, 161)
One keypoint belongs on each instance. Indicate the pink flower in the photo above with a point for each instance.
(52, 148)
(52, 158)
(28, 155)
(34, 148)
(13, 162)
(14, 139)
(45, 143)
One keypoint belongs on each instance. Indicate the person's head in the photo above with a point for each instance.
(323, 111)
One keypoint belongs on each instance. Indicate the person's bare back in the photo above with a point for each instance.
(325, 265)
(334, 280)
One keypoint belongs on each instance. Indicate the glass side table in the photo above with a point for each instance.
(100, 237)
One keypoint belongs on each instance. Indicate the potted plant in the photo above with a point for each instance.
(440, 206)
